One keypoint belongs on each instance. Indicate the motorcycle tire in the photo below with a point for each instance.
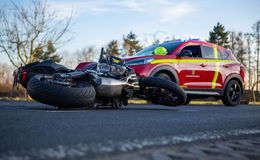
(60, 96)
(169, 86)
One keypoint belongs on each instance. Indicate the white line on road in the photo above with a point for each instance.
(189, 110)
(67, 111)
(80, 150)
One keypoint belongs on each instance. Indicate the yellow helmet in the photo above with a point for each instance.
(160, 51)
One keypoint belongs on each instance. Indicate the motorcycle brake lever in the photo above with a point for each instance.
(15, 81)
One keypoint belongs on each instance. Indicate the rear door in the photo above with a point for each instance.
(227, 66)
(214, 67)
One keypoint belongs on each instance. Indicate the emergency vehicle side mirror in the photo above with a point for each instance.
(185, 53)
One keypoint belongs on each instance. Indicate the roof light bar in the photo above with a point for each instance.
(184, 39)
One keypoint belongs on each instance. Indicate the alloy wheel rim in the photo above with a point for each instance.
(234, 92)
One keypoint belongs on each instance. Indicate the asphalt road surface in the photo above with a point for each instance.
(30, 130)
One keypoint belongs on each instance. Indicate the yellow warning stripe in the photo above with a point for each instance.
(191, 61)
(215, 78)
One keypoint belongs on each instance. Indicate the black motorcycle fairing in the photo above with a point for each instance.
(23, 74)
(49, 65)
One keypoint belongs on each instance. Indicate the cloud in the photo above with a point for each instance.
(166, 10)
(133, 5)
(62, 10)
(65, 9)
(161, 1)
(176, 11)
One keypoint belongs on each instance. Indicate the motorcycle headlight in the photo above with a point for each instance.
(140, 61)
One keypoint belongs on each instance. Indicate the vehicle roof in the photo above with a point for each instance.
(182, 43)
(196, 42)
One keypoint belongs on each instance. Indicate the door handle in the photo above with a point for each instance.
(203, 65)
(225, 65)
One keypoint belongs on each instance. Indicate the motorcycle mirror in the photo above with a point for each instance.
(101, 55)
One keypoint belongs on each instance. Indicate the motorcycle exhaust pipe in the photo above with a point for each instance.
(77, 74)
(110, 87)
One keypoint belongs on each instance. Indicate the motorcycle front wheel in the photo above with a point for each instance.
(42, 91)
(162, 91)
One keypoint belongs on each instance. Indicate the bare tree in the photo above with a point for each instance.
(87, 54)
(22, 29)
(249, 41)
(240, 51)
(256, 28)
(69, 59)
(156, 38)
(6, 79)
(5, 74)
(238, 47)
(232, 37)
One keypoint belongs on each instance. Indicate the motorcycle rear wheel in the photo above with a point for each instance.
(60, 96)
(163, 91)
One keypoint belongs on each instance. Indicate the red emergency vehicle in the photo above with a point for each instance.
(202, 69)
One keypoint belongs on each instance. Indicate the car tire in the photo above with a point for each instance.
(167, 85)
(163, 76)
(60, 96)
(232, 93)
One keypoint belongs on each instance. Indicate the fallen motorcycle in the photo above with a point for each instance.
(110, 83)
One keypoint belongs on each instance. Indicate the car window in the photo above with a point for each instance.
(196, 52)
(222, 54)
(169, 46)
(208, 52)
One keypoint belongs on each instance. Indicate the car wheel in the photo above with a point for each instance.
(232, 93)
(163, 76)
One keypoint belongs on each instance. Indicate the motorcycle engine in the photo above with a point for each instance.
(114, 70)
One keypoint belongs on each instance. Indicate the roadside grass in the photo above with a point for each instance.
(131, 101)
(15, 99)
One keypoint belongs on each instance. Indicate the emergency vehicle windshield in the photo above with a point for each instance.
(170, 47)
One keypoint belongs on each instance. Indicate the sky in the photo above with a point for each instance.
(96, 22)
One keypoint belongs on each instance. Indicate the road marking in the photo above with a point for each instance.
(83, 150)
(67, 111)
(189, 110)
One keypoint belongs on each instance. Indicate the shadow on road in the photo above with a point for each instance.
(102, 109)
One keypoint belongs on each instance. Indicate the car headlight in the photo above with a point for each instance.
(140, 61)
